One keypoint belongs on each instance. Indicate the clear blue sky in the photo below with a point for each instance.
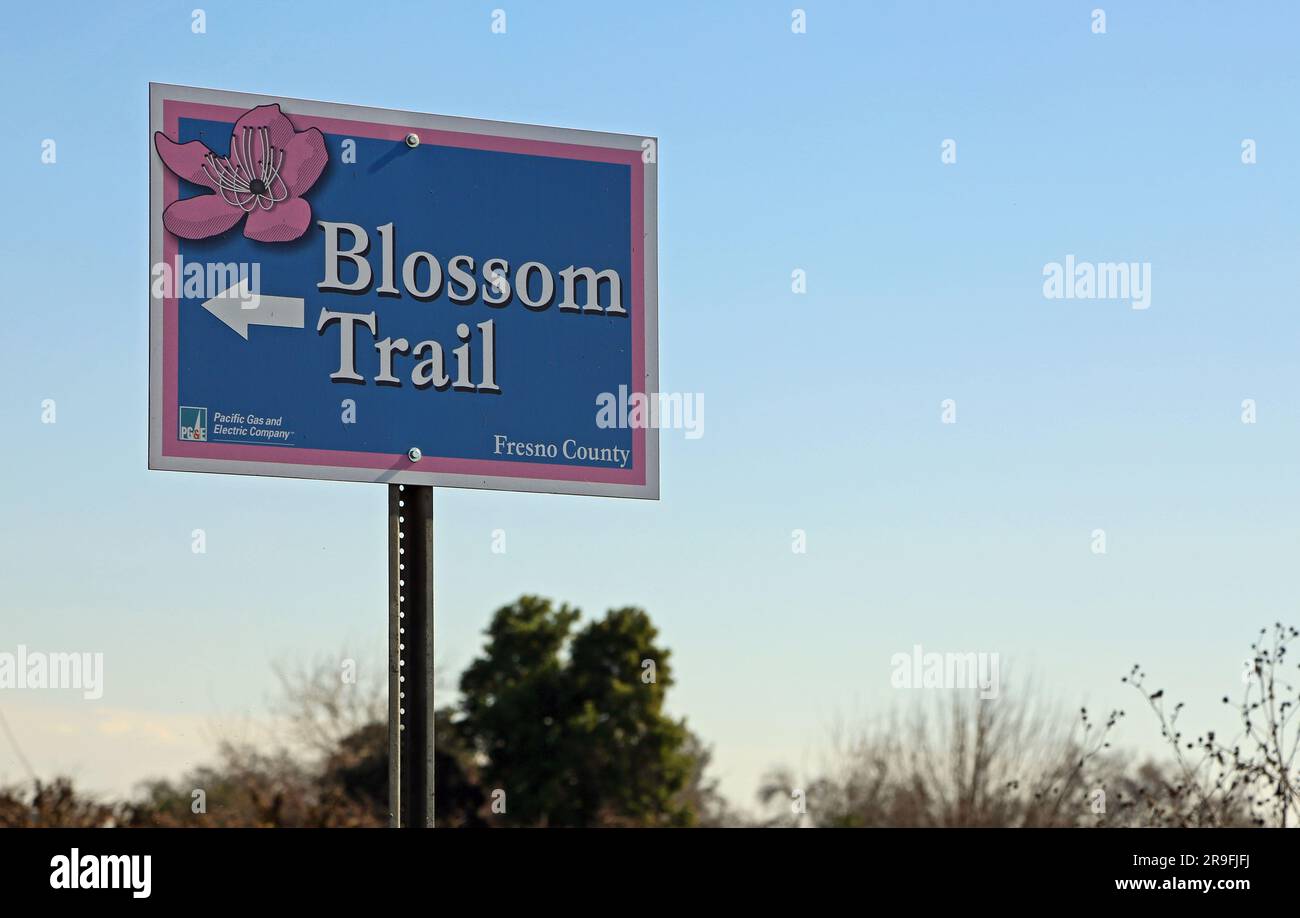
(778, 151)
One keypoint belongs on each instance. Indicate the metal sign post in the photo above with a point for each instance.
(410, 656)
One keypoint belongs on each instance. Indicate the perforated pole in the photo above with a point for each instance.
(410, 656)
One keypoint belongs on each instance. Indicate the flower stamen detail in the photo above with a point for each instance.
(235, 179)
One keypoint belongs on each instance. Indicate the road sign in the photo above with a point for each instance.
(361, 294)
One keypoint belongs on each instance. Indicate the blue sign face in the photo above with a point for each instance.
(368, 295)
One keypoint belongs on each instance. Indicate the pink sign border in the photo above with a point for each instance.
(173, 446)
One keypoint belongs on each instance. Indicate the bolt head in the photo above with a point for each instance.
(412, 140)
(414, 454)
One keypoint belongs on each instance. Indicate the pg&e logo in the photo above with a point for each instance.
(194, 424)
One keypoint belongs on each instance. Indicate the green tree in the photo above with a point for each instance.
(570, 724)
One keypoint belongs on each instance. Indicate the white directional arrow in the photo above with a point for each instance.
(240, 308)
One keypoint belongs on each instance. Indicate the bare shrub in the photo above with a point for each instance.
(1249, 780)
(963, 761)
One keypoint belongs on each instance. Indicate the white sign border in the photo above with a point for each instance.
(159, 92)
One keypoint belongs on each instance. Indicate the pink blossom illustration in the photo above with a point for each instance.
(269, 168)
